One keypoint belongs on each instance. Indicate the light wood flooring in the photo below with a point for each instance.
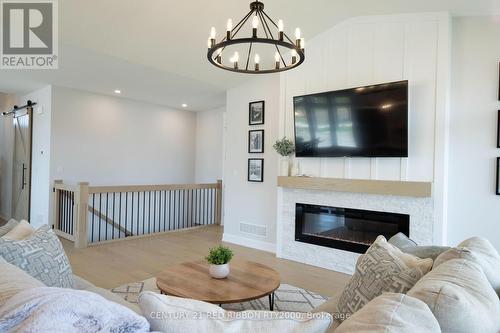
(114, 264)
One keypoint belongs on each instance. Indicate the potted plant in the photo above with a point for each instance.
(219, 258)
(285, 148)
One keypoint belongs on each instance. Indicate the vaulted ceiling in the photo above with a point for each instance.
(155, 50)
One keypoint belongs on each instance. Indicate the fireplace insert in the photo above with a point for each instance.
(345, 228)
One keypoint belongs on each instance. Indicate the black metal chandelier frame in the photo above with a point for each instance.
(282, 39)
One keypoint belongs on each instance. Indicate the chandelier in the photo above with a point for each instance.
(287, 54)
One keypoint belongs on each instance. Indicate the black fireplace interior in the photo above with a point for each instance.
(345, 228)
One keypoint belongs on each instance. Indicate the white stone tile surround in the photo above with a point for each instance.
(421, 211)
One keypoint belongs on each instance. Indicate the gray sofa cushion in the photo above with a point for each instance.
(383, 268)
(188, 315)
(460, 297)
(330, 307)
(401, 241)
(41, 256)
(8, 227)
(82, 284)
(486, 256)
(407, 245)
(395, 313)
(480, 251)
(14, 280)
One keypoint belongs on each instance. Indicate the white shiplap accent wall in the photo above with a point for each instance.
(370, 50)
(363, 51)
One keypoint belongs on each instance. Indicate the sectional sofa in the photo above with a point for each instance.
(458, 291)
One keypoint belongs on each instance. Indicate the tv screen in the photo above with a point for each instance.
(369, 121)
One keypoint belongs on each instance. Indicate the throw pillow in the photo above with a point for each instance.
(19, 232)
(41, 256)
(46, 309)
(14, 280)
(8, 227)
(460, 297)
(481, 251)
(179, 315)
(407, 245)
(383, 268)
(395, 313)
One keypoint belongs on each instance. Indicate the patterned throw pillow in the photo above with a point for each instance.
(383, 268)
(41, 256)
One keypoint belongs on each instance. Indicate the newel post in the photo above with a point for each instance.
(218, 216)
(81, 229)
(55, 215)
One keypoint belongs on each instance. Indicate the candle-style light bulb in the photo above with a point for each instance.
(255, 24)
(219, 56)
(280, 29)
(297, 33)
(302, 43)
(257, 60)
(235, 59)
(294, 56)
(229, 28)
(212, 37)
(297, 37)
(277, 60)
(209, 42)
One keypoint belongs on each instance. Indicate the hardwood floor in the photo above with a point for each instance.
(114, 264)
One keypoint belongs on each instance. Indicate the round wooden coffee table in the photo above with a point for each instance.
(246, 281)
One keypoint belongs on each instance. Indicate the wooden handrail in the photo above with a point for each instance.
(145, 188)
(65, 187)
(109, 221)
(102, 216)
(82, 210)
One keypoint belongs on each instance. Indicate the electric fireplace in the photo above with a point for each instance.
(345, 228)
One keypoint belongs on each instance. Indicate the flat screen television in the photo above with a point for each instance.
(369, 121)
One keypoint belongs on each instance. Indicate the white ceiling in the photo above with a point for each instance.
(155, 50)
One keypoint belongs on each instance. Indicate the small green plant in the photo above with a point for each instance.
(284, 147)
(219, 255)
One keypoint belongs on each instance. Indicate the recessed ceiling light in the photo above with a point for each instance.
(117, 91)
(184, 105)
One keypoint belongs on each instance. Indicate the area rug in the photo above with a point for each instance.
(287, 297)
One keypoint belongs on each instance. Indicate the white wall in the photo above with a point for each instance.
(473, 206)
(253, 203)
(41, 189)
(377, 49)
(209, 145)
(113, 141)
(6, 155)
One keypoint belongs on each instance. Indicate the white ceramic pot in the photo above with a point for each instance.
(219, 271)
(285, 166)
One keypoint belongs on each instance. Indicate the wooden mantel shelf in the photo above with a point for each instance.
(383, 187)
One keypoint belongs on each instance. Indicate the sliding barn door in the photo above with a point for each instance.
(21, 176)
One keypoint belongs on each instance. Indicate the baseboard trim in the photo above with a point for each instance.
(249, 242)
